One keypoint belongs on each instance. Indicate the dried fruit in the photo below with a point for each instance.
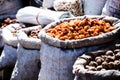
(79, 29)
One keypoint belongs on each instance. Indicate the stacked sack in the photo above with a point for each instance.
(112, 8)
(74, 6)
(9, 53)
(40, 16)
(101, 65)
(28, 62)
(4, 21)
(8, 7)
(93, 7)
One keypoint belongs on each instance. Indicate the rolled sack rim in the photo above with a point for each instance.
(8, 36)
(79, 72)
(3, 17)
(109, 36)
(9, 39)
(83, 71)
(25, 41)
(79, 69)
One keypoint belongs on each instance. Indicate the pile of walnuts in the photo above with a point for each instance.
(34, 33)
(109, 60)
(78, 29)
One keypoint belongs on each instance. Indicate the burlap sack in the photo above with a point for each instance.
(112, 8)
(9, 53)
(82, 73)
(27, 66)
(93, 7)
(106, 8)
(56, 63)
(8, 57)
(9, 35)
(48, 3)
(40, 16)
(1, 40)
(74, 6)
(9, 6)
(2, 18)
(58, 56)
(100, 39)
(25, 41)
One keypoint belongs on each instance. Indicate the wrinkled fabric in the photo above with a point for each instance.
(81, 73)
(8, 57)
(56, 63)
(48, 3)
(58, 56)
(27, 66)
(39, 16)
(112, 8)
(28, 62)
(93, 7)
(9, 6)
(74, 6)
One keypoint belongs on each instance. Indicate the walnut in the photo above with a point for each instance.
(99, 68)
(93, 63)
(116, 51)
(91, 68)
(105, 65)
(99, 61)
(117, 64)
(110, 58)
(111, 65)
(109, 53)
(117, 56)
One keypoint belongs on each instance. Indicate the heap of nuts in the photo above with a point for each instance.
(7, 21)
(109, 60)
(78, 29)
(34, 33)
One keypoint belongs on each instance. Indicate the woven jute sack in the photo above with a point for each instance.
(27, 66)
(95, 40)
(112, 8)
(8, 7)
(48, 3)
(93, 7)
(40, 16)
(2, 18)
(81, 73)
(74, 6)
(58, 56)
(9, 53)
